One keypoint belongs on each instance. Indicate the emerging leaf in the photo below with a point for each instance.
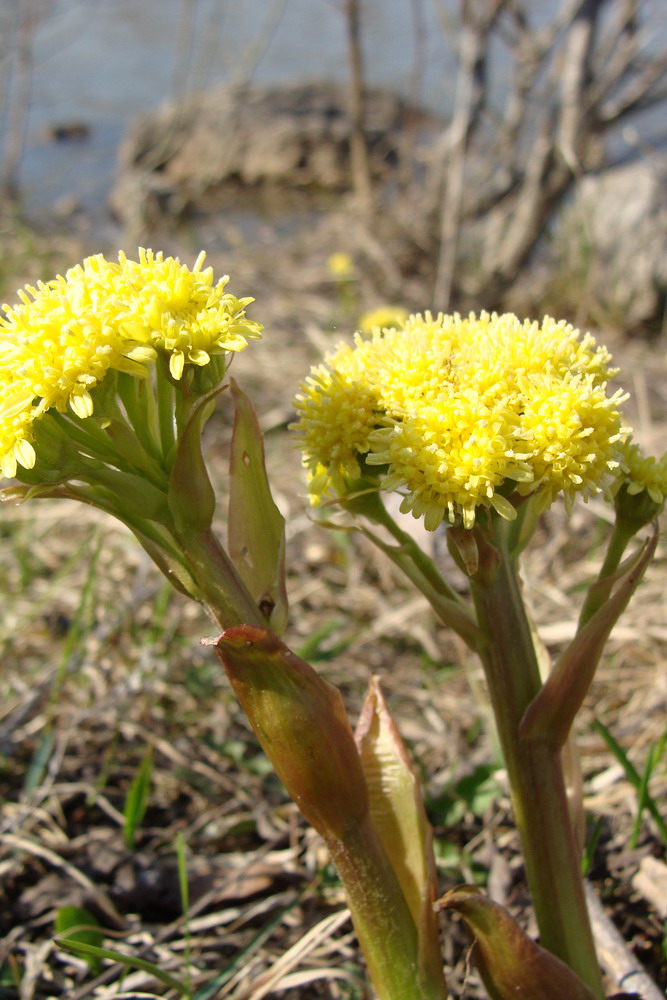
(510, 964)
(300, 720)
(137, 799)
(77, 925)
(398, 814)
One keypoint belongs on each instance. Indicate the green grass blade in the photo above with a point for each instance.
(642, 799)
(182, 863)
(136, 802)
(591, 846)
(39, 762)
(130, 961)
(631, 773)
(633, 776)
(210, 989)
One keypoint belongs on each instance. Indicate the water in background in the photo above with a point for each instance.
(98, 63)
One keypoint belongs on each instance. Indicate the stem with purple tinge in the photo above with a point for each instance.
(534, 766)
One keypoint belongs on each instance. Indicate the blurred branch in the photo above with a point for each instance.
(359, 164)
(477, 21)
(20, 80)
(575, 78)
(647, 88)
(594, 64)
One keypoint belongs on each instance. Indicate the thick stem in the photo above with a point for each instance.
(382, 919)
(535, 772)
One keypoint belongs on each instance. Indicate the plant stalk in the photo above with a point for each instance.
(535, 770)
(382, 919)
(620, 538)
(220, 587)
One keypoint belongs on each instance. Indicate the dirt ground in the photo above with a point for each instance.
(99, 662)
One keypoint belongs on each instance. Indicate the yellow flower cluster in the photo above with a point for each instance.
(457, 413)
(643, 472)
(66, 334)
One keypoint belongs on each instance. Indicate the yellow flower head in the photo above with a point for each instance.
(341, 266)
(65, 335)
(457, 413)
(182, 312)
(641, 473)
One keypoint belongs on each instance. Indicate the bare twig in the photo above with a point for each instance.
(471, 82)
(360, 167)
(17, 114)
(616, 958)
(573, 79)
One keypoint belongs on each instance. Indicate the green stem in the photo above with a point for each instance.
(220, 587)
(422, 571)
(382, 919)
(423, 563)
(165, 395)
(138, 398)
(534, 769)
(618, 543)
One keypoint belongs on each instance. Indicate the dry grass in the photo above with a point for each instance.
(99, 661)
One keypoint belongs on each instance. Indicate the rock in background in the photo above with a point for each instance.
(226, 140)
(607, 259)
(601, 260)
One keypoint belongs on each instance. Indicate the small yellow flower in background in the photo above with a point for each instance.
(383, 316)
(67, 334)
(341, 266)
(460, 413)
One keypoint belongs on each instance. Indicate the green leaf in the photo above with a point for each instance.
(256, 528)
(131, 495)
(77, 925)
(136, 802)
(551, 713)
(191, 496)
